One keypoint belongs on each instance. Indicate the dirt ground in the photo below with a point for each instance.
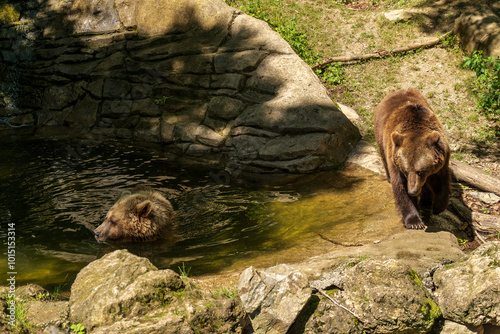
(361, 27)
(436, 71)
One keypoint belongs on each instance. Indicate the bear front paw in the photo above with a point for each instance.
(414, 222)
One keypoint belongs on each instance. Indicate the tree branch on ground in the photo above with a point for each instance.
(380, 54)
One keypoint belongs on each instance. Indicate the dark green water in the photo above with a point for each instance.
(57, 192)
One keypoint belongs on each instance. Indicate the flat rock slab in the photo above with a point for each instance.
(419, 250)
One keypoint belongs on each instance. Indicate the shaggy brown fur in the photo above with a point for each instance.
(415, 153)
(140, 215)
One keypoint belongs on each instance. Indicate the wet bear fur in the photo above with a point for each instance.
(415, 153)
(141, 214)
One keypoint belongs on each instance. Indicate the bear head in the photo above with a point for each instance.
(417, 156)
(135, 217)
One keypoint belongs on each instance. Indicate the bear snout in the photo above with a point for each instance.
(97, 235)
(414, 192)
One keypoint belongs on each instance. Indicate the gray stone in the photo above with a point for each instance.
(208, 137)
(224, 107)
(185, 132)
(123, 293)
(398, 15)
(199, 68)
(273, 298)
(228, 81)
(145, 107)
(366, 156)
(51, 329)
(451, 327)
(198, 150)
(247, 147)
(250, 33)
(166, 131)
(244, 61)
(60, 97)
(468, 290)
(488, 198)
(295, 166)
(116, 88)
(293, 147)
(94, 16)
(385, 296)
(156, 17)
(116, 107)
(21, 120)
(216, 124)
(417, 249)
(29, 292)
(115, 286)
(244, 130)
(201, 64)
(43, 313)
(148, 129)
(84, 114)
(479, 29)
(114, 62)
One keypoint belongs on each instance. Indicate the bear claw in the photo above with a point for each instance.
(415, 226)
(414, 223)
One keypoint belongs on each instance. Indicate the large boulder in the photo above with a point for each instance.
(469, 290)
(273, 298)
(479, 29)
(197, 78)
(380, 297)
(124, 293)
(117, 285)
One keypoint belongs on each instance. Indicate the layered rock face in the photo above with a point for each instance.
(197, 78)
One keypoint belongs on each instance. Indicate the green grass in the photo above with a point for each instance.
(323, 29)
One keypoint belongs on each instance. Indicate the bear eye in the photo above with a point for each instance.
(421, 173)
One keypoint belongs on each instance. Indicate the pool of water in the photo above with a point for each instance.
(56, 192)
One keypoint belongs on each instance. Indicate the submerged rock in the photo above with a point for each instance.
(469, 290)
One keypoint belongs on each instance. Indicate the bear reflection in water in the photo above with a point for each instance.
(142, 214)
(415, 152)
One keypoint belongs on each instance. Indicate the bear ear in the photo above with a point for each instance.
(397, 139)
(433, 139)
(125, 194)
(143, 209)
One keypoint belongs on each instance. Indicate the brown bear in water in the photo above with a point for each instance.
(415, 153)
(140, 215)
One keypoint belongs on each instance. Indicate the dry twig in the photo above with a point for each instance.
(380, 54)
(337, 303)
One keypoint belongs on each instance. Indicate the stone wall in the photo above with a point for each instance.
(198, 78)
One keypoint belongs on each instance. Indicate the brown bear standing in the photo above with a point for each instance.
(415, 153)
(140, 215)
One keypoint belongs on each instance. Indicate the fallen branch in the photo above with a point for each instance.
(380, 54)
(337, 303)
(486, 223)
(479, 237)
(475, 177)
